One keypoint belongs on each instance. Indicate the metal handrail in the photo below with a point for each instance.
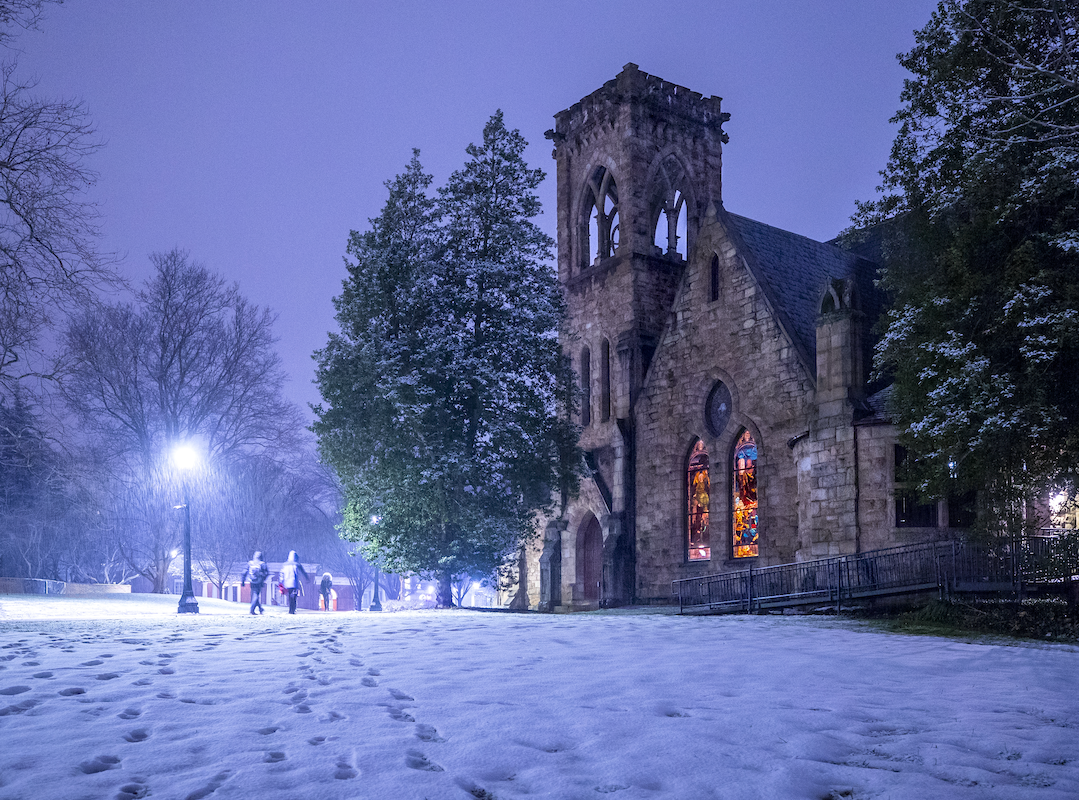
(948, 566)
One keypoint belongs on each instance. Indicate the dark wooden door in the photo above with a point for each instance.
(590, 558)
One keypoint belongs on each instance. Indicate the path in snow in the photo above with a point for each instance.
(122, 698)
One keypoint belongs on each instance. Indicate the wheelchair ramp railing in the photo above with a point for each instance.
(948, 567)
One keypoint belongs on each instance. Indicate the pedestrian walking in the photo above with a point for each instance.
(324, 589)
(256, 573)
(291, 573)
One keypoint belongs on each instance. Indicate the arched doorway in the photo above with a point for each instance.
(590, 557)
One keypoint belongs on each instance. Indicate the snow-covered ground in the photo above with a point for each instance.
(120, 697)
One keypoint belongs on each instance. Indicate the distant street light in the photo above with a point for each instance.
(376, 601)
(186, 458)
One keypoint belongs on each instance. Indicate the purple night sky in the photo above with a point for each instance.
(256, 134)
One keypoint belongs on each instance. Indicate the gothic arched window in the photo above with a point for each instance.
(744, 500)
(670, 209)
(600, 228)
(670, 231)
(586, 387)
(605, 381)
(699, 489)
(713, 284)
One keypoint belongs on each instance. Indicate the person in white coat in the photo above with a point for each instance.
(291, 574)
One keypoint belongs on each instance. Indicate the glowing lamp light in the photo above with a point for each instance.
(185, 457)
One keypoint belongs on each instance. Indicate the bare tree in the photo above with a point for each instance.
(190, 359)
(48, 231)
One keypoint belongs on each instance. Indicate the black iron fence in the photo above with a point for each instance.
(948, 567)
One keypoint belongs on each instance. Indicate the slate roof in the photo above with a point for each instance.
(794, 272)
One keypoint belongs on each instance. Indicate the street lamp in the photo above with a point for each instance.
(186, 458)
(376, 601)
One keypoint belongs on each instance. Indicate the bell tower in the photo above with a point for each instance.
(639, 163)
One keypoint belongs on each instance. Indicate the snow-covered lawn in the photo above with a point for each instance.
(120, 697)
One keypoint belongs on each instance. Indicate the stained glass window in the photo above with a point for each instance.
(717, 410)
(699, 488)
(745, 496)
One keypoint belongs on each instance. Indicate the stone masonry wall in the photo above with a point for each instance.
(736, 340)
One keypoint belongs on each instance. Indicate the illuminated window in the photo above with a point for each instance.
(745, 496)
(699, 488)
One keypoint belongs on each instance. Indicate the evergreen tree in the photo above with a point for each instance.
(443, 417)
(980, 222)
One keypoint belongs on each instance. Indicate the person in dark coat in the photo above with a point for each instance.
(257, 572)
(291, 574)
(324, 589)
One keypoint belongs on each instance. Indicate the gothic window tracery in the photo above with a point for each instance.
(699, 490)
(600, 231)
(670, 210)
(744, 500)
(670, 234)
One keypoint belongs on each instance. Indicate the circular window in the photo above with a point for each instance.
(717, 411)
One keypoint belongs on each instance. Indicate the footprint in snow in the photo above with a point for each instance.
(273, 756)
(344, 771)
(399, 695)
(400, 715)
(268, 731)
(12, 690)
(316, 740)
(96, 662)
(108, 676)
(166, 695)
(137, 735)
(129, 713)
(215, 783)
(42, 674)
(142, 682)
(73, 690)
(99, 764)
(369, 682)
(19, 708)
(167, 671)
(427, 733)
(355, 662)
(373, 671)
(135, 790)
(414, 759)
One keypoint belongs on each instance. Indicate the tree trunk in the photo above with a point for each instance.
(445, 590)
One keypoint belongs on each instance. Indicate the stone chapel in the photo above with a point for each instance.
(723, 365)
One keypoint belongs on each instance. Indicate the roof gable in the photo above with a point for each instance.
(793, 272)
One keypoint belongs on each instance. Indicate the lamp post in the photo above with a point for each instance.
(376, 601)
(186, 458)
